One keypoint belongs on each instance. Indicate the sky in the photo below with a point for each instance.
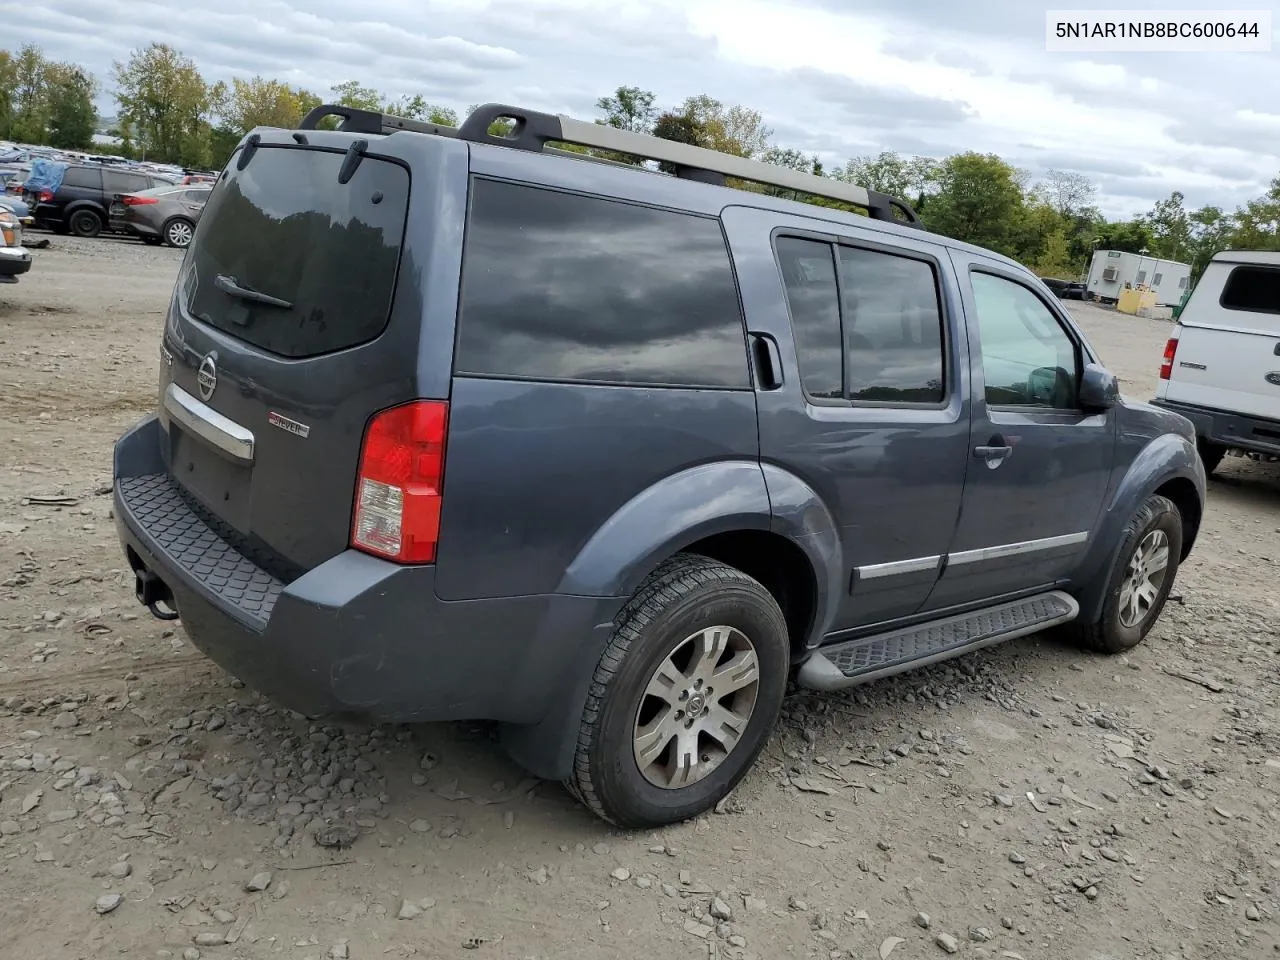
(836, 78)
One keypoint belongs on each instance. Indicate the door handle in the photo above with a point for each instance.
(992, 452)
(768, 361)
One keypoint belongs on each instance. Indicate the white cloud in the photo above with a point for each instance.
(830, 76)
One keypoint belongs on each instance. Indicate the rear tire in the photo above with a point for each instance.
(178, 232)
(85, 223)
(657, 743)
(1139, 584)
(1211, 454)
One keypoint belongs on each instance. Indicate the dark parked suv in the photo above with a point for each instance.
(82, 204)
(462, 426)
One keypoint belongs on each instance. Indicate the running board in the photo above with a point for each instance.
(881, 655)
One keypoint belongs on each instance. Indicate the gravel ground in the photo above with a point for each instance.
(1029, 801)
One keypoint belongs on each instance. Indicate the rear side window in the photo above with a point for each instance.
(563, 287)
(86, 178)
(1254, 289)
(867, 324)
(285, 227)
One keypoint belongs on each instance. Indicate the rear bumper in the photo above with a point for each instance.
(355, 634)
(1236, 430)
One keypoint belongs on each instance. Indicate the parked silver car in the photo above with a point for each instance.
(167, 214)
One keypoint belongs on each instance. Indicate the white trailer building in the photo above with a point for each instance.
(1113, 271)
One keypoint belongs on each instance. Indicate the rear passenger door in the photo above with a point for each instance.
(872, 412)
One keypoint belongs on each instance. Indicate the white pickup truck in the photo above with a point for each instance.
(1221, 366)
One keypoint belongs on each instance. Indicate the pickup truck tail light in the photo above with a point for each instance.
(45, 196)
(1166, 366)
(398, 487)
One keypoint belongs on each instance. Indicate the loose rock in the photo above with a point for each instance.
(947, 942)
(259, 882)
(108, 902)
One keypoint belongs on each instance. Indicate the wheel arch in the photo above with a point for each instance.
(77, 206)
(720, 510)
(1168, 466)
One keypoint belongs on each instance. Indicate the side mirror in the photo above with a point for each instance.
(1099, 390)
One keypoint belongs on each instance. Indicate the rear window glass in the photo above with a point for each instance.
(1255, 289)
(285, 228)
(563, 287)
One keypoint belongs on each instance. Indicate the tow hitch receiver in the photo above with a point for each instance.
(154, 594)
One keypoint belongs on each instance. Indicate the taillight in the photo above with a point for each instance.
(138, 201)
(398, 487)
(1166, 366)
(46, 196)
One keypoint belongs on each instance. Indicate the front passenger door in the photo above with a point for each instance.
(1039, 464)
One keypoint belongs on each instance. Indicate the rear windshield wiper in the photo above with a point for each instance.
(230, 285)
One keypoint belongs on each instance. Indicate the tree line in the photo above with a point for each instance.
(168, 112)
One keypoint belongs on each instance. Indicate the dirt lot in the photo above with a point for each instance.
(1030, 801)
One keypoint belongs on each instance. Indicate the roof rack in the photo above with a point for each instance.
(532, 130)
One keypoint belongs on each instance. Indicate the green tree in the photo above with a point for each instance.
(8, 88)
(736, 130)
(418, 108)
(351, 94)
(789, 158)
(259, 102)
(1211, 232)
(1055, 257)
(630, 108)
(165, 99)
(1129, 236)
(1170, 228)
(910, 178)
(30, 96)
(1041, 239)
(72, 116)
(978, 200)
(1258, 222)
(680, 127)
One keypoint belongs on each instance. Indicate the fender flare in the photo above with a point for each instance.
(676, 511)
(1167, 457)
(801, 516)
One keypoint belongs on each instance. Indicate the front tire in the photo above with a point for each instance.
(684, 696)
(1146, 567)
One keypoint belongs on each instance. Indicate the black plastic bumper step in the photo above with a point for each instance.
(881, 655)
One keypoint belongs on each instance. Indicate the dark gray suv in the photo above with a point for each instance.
(463, 426)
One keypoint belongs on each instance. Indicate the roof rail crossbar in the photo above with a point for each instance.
(533, 130)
